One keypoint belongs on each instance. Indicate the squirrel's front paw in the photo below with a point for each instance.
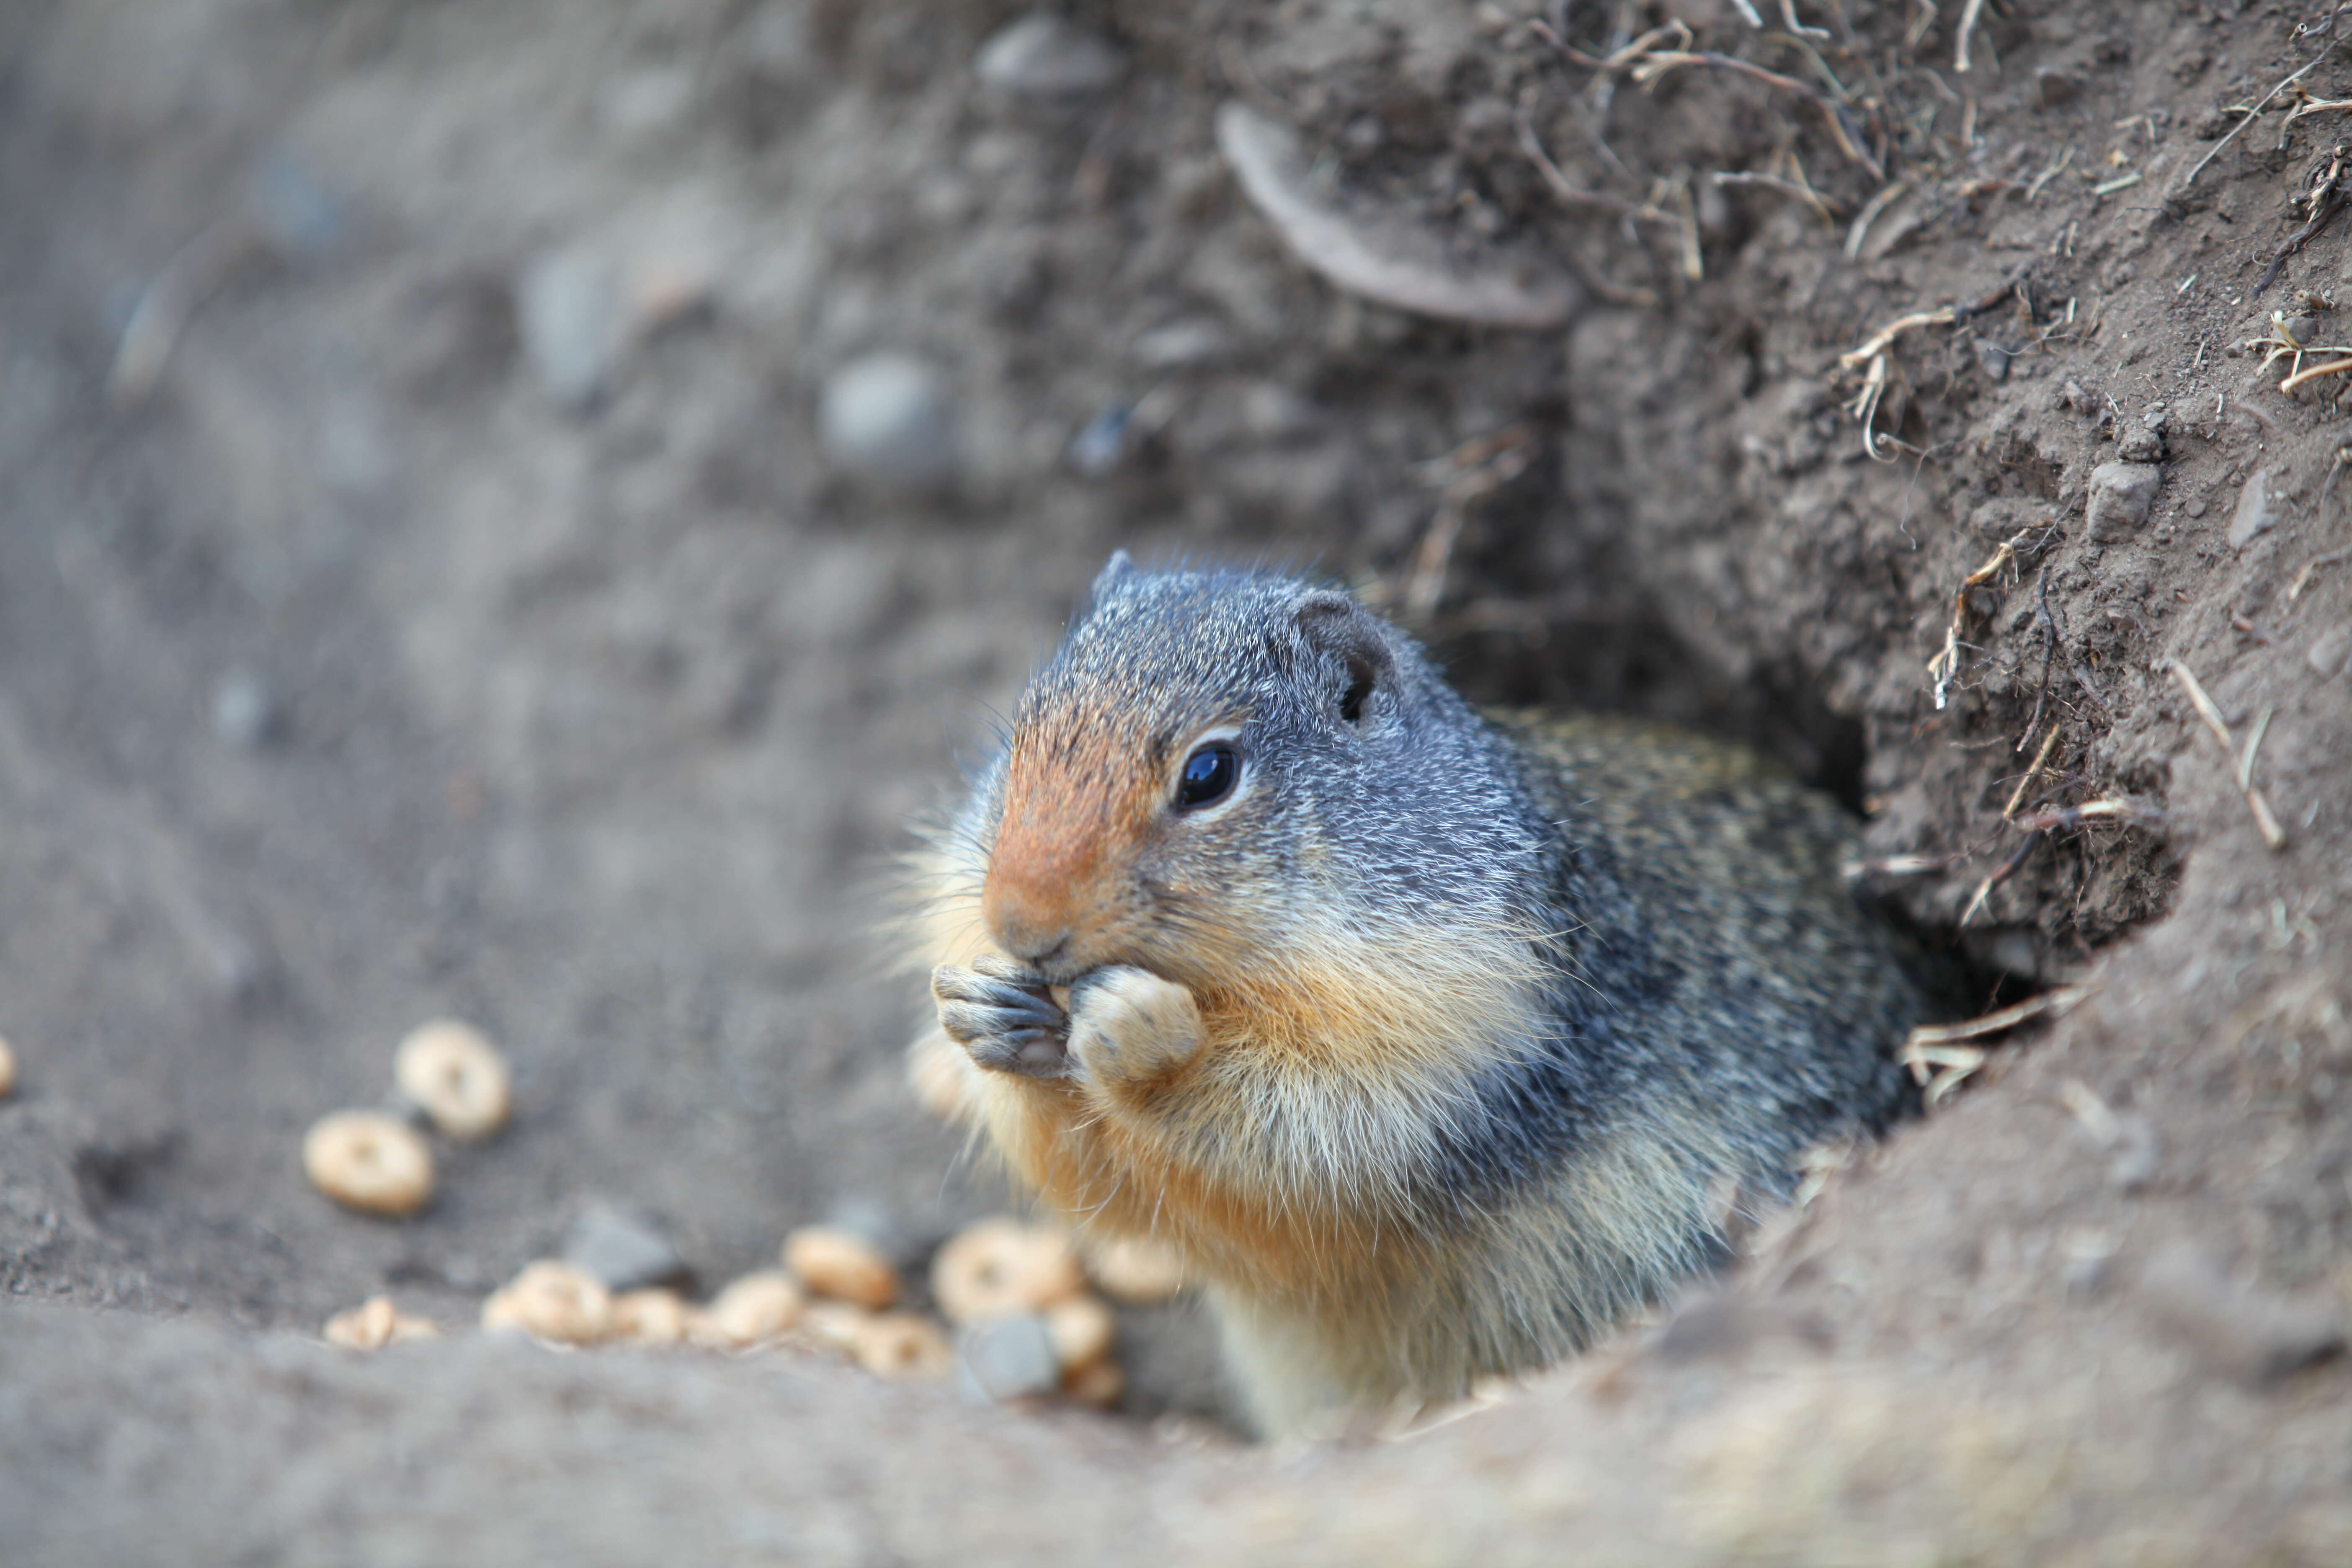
(1129, 1027)
(1000, 1013)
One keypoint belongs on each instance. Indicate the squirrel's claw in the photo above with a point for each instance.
(1005, 1022)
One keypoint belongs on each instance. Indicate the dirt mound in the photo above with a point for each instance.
(447, 573)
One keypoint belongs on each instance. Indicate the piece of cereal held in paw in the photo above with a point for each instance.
(1003, 1017)
(1129, 1026)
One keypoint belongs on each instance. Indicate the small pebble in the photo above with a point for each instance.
(902, 1345)
(376, 1325)
(1099, 445)
(2056, 86)
(846, 1268)
(653, 1317)
(2141, 442)
(1082, 1329)
(458, 1076)
(2329, 655)
(2195, 508)
(1136, 1269)
(755, 1307)
(2258, 509)
(1043, 55)
(244, 713)
(293, 210)
(368, 1161)
(552, 1301)
(1191, 342)
(572, 311)
(8, 1070)
(1001, 1266)
(2122, 495)
(1009, 1358)
(619, 1250)
(890, 419)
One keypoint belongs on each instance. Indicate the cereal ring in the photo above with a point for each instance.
(652, 1317)
(366, 1160)
(846, 1268)
(834, 1325)
(376, 1324)
(1082, 1329)
(552, 1301)
(902, 1345)
(1136, 1269)
(755, 1307)
(1000, 1265)
(458, 1076)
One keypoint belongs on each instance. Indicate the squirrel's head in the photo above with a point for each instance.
(1216, 767)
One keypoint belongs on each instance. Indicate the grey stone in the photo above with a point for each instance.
(2056, 87)
(890, 419)
(2122, 495)
(619, 1250)
(1045, 56)
(572, 311)
(1994, 358)
(1008, 1358)
(245, 715)
(2258, 509)
(1194, 340)
(2331, 651)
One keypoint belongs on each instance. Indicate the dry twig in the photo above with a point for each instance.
(1968, 13)
(1939, 1061)
(2191, 178)
(2008, 812)
(1863, 406)
(2241, 770)
(1945, 665)
(2295, 589)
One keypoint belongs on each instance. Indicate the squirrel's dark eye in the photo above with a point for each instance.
(1208, 777)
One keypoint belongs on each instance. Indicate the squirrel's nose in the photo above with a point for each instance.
(1026, 923)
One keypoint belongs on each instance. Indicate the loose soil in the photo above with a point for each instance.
(351, 678)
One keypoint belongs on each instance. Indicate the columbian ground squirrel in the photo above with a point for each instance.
(1433, 1040)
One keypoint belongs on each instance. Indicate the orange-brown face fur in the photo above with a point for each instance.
(1087, 795)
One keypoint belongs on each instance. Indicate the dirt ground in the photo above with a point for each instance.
(425, 590)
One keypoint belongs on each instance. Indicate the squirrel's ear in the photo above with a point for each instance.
(1334, 623)
(1120, 566)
